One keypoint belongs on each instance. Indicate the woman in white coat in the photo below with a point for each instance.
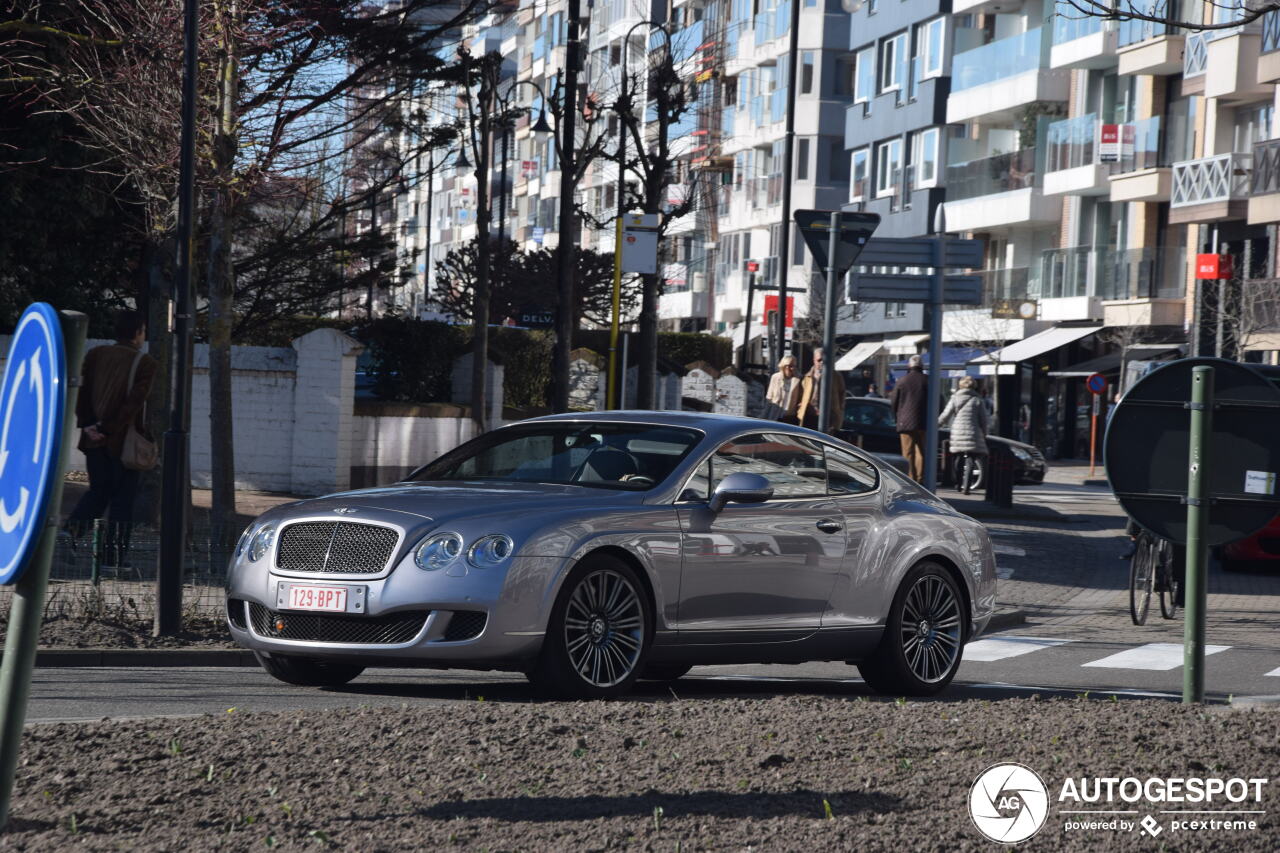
(969, 430)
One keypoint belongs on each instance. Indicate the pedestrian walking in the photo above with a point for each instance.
(861, 385)
(781, 387)
(807, 396)
(969, 430)
(910, 402)
(115, 381)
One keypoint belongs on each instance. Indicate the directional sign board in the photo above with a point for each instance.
(855, 230)
(957, 289)
(32, 401)
(918, 252)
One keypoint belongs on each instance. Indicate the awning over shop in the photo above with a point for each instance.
(1104, 364)
(953, 358)
(860, 353)
(1007, 358)
(905, 345)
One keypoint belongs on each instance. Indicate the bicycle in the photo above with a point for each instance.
(1151, 568)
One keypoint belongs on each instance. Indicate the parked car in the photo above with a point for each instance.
(869, 424)
(589, 550)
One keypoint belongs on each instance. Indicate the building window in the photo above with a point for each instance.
(858, 168)
(806, 72)
(802, 161)
(864, 83)
(932, 44)
(893, 59)
(925, 156)
(888, 167)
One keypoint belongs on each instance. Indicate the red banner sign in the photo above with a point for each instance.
(771, 306)
(1213, 267)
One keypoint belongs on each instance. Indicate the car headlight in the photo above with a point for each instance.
(438, 551)
(491, 550)
(261, 542)
(1021, 454)
(242, 541)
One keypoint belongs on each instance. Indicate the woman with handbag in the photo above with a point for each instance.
(110, 413)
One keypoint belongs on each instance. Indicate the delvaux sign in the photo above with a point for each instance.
(32, 405)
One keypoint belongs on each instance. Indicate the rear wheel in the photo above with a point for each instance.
(1170, 586)
(972, 468)
(1141, 576)
(307, 672)
(598, 634)
(923, 638)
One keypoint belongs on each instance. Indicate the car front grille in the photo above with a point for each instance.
(323, 628)
(338, 547)
(465, 625)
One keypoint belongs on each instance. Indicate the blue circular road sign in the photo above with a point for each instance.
(1096, 383)
(32, 403)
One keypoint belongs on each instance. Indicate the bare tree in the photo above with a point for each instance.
(1167, 11)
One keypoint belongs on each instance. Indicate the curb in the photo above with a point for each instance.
(53, 658)
(1095, 482)
(1003, 620)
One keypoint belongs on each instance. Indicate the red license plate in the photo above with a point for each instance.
(330, 598)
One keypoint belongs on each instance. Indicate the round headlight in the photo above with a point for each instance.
(261, 542)
(242, 541)
(490, 550)
(438, 551)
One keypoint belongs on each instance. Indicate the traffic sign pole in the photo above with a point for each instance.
(1197, 521)
(828, 328)
(27, 609)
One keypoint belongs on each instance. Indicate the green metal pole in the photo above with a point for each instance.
(1197, 519)
(28, 594)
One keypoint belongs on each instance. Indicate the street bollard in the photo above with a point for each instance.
(95, 570)
(1201, 407)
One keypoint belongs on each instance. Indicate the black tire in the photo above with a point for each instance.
(307, 672)
(1171, 583)
(598, 635)
(924, 635)
(665, 671)
(1141, 577)
(977, 472)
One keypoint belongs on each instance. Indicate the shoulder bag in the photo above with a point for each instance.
(139, 452)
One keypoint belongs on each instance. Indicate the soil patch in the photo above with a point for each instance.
(70, 632)
(785, 773)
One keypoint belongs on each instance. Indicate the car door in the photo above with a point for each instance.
(755, 572)
(857, 598)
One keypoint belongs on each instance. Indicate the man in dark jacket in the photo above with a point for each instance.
(910, 402)
(115, 382)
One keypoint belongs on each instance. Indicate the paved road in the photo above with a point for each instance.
(1058, 559)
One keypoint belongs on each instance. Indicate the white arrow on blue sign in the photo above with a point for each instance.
(32, 401)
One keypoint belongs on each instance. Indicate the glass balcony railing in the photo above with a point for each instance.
(1008, 283)
(998, 60)
(1146, 151)
(1211, 179)
(990, 175)
(1070, 24)
(1133, 32)
(1072, 143)
(1110, 273)
(1064, 272)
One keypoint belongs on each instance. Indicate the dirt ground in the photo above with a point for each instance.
(788, 773)
(68, 632)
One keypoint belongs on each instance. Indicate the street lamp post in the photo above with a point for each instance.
(565, 249)
(624, 104)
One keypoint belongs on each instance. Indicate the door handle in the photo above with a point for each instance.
(828, 525)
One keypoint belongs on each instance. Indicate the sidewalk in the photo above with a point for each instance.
(1058, 551)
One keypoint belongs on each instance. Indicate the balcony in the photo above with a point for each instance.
(1147, 47)
(1264, 183)
(1074, 164)
(1210, 189)
(996, 79)
(1082, 41)
(997, 191)
(1146, 288)
(1143, 173)
(1232, 64)
(1269, 59)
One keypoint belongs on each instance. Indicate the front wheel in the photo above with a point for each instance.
(598, 634)
(307, 672)
(1141, 576)
(1171, 581)
(923, 638)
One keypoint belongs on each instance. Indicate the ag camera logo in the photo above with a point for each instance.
(1009, 803)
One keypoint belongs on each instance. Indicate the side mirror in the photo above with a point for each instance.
(740, 488)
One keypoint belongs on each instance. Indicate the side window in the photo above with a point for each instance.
(699, 486)
(791, 467)
(849, 474)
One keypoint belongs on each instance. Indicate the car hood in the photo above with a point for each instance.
(441, 501)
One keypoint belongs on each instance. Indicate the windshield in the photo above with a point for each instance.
(635, 457)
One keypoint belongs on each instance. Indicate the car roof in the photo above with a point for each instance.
(715, 426)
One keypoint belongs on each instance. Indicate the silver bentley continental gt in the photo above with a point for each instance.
(590, 550)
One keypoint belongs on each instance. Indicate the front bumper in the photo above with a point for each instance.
(410, 616)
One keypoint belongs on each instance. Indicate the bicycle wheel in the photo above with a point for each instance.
(1170, 582)
(1140, 578)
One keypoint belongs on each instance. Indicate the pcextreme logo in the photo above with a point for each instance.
(1010, 803)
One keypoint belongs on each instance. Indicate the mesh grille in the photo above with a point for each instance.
(235, 612)
(341, 547)
(361, 630)
(465, 625)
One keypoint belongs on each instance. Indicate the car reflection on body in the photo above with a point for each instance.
(591, 550)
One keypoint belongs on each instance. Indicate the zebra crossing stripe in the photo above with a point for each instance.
(998, 648)
(1155, 656)
(1275, 672)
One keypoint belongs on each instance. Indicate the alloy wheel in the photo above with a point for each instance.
(604, 628)
(930, 631)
